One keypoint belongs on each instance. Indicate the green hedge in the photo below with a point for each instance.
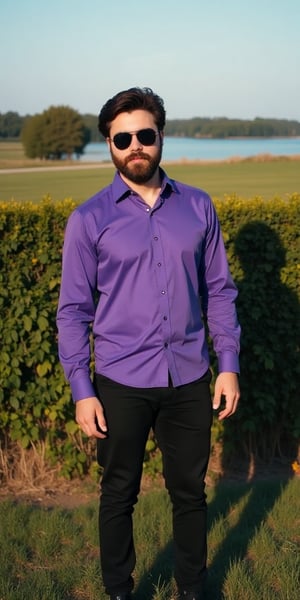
(35, 400)
(262, 244)
(262, 240)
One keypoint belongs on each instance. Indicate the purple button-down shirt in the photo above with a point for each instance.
(144, 277)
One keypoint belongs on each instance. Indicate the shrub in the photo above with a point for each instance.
(261, 238)
(35, 400)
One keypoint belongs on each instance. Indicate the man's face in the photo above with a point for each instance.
(138, 162)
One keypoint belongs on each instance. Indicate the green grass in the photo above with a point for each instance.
(245, 178)
(254, 535)
(11, 151)
(76, 184)
(12, 156)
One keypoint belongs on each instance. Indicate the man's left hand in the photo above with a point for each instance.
(227, 386)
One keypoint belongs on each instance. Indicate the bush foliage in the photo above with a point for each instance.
(261, 238)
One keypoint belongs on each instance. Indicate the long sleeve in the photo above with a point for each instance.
(76, 308)
(218, 297)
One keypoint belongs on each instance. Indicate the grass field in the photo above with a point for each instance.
(50, 553)
(12, 156)
(11, 151)
(268, 178)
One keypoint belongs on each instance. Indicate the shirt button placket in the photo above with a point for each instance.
(162, 288)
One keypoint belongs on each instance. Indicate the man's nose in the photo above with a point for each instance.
(135, 143)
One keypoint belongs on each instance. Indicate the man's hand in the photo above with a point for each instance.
(226, 385)
(90, 417)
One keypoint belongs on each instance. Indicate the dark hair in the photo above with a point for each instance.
(133, 99)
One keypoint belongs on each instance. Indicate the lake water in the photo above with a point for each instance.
(176, 149)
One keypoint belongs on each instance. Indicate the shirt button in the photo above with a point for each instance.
(147, 209)
(163, 292)
(159, 264)
(165, 318)
(155, 238)
(166, 344)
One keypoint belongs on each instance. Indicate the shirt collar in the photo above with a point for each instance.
(120, 190)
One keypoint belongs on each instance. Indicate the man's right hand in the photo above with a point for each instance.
(90, 417)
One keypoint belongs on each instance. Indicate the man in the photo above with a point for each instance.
(144, 262)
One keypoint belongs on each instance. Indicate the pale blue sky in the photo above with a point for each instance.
(233, 58)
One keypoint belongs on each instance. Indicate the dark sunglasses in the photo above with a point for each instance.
(146, 137)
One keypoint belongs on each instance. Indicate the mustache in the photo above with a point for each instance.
(134, 155)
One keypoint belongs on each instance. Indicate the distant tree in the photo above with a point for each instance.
(57, 132)
(32, 137)
(10, 125)
(78, 150)
(91, 122)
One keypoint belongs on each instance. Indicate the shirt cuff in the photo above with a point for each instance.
(81, 388)
(228, 362)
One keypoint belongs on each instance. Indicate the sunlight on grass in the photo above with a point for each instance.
(254, 535)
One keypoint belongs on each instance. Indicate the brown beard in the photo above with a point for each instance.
(138, 173)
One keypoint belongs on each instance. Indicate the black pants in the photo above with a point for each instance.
(181, 420)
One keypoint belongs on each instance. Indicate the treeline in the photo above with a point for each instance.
(221, 127)
(11, 125)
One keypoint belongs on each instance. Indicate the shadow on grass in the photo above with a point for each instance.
(160, 575)
(253, 501)
(256, 500)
